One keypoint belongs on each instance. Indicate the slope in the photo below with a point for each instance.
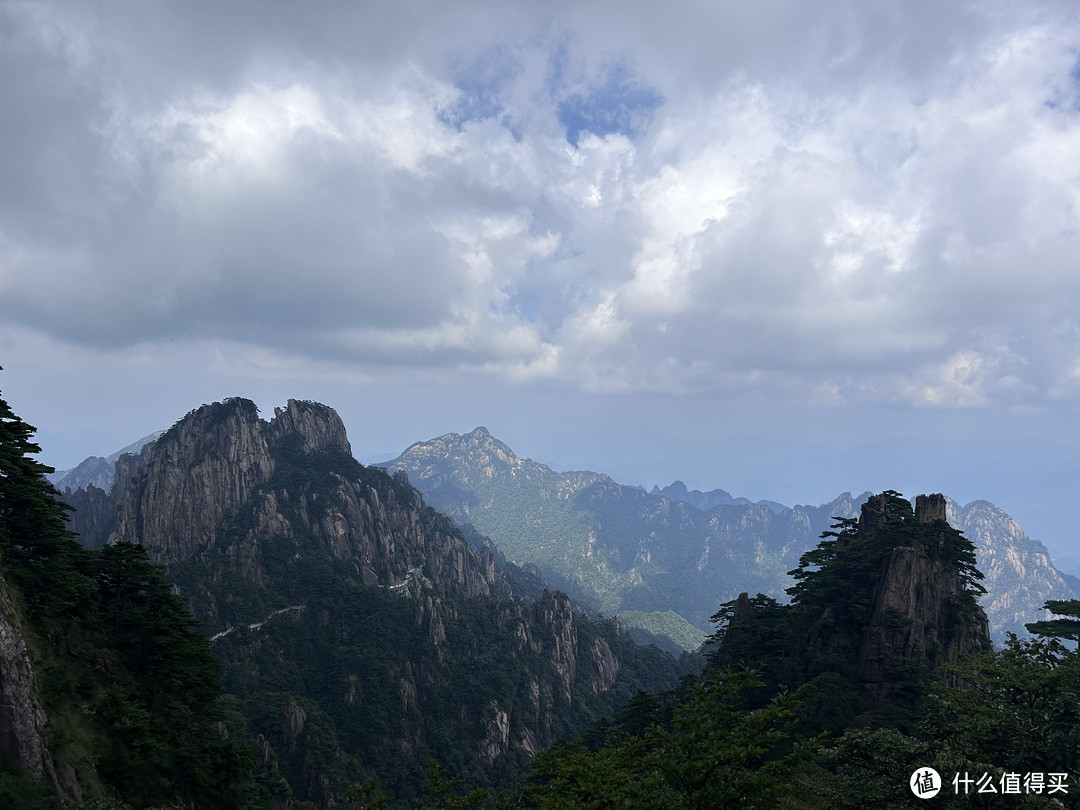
(631, 552)
(360, 634)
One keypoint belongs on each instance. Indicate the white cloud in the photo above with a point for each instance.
(836, 207)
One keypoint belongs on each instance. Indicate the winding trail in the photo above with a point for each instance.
(257, 625)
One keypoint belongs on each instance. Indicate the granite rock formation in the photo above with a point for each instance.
(24, 735)
(272, 531)
(917, 617)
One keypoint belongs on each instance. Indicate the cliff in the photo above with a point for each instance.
(25, 741)
(878, 607)
(332, 593)
(223, 478)
(920, 617)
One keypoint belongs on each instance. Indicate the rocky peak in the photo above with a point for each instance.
(929, 508)
(920, 617)
(1020, 577)
(319, 425)
(199, 471)
(174, 495)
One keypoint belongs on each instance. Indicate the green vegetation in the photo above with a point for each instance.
(619, 549)
(358, 687)
(794, 729)
(666, 629)
(130, 687)
(333, 691)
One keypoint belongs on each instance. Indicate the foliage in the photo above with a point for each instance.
(667, 629)
(709, 754)
(795, 730)
(1066, 626)
(1017, 708)
(41, 554)
(351, 694)
(445, 794)
(814, 644)
(130, 686)
(379, 694)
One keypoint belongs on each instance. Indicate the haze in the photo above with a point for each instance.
(781, 248)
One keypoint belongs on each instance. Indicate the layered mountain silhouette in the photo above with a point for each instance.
(630, 552)
(363, 634)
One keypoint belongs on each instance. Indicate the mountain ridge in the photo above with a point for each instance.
(543, 518)
(623, 548)
(358, 630)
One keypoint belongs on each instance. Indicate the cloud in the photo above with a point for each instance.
(841, 204)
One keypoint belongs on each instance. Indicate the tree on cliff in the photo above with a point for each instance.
(39, 551)
(841, 638)
(125, 675)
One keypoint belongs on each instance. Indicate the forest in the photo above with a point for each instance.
(837, 698)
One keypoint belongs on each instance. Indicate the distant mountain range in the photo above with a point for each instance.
(662, 560)
(97, 471)
(362, 633)
(635, 553)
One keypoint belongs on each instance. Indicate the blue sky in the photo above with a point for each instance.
(742, 246)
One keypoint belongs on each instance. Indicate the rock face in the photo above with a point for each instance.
(95, 470)
(917, 620)
(280, 540)
(24, 736)
(878, 607)
(94, 516)
(183, 495)
(1020, 576)
(203, 468)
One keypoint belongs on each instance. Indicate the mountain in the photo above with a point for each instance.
(96, 470)
(360, 633)
(677, 491)
(107, 697)
(883, 604)
(834, 699)
(630, 552)
(1020, 576)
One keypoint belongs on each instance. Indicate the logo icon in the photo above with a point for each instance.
(925, 783)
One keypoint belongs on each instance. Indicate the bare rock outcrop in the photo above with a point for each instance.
(603, 666)
(24, 736)
(216, 468)
(497, 737)
(202, 469)
(554, 635)
(918, 618)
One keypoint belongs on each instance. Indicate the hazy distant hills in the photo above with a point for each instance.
(637, 553)
(705, 501)
(97, 471)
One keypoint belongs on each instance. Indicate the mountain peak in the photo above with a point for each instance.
(207, 465)
(319, 424)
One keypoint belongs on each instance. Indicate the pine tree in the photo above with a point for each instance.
(36, 547)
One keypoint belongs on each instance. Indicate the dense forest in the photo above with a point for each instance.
(877, 670)
(129, 688)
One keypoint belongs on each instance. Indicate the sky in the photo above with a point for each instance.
(786, 249)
